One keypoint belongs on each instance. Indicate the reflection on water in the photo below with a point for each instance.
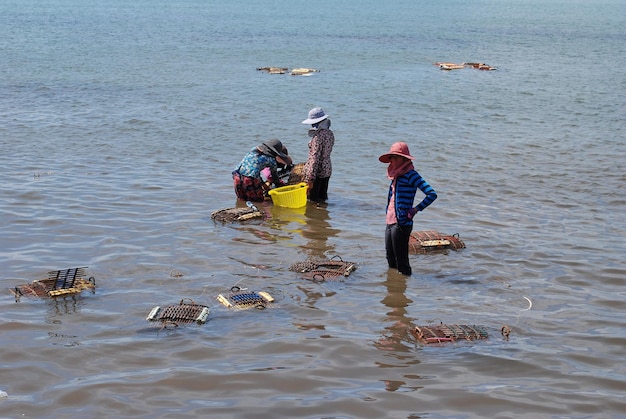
(396, 334)
(64, 305)
(395, 338)
(288, 220)
(319, 232)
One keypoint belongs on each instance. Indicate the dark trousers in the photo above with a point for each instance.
(319, 191)
(397, 247)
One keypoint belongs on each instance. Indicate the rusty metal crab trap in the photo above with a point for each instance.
(421, 242)
(61, 282)
(320, 270)
(442, 333)
(243, 299)
(185, 312)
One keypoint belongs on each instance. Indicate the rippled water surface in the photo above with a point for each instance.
(119, 127)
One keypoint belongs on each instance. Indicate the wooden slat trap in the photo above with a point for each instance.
(185, 312)
(421, 242)
(229, 215)
(319, 270)
(61, 282)
(442, 333)
(243, 299)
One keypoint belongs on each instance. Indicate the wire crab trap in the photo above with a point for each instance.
(185, 312)
(442, 333)
(230, 215)
(421, 242)
(243, 299)
(61, 282)
(320, 270)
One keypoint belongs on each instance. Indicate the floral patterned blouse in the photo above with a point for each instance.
(318, 165)
(254, 162)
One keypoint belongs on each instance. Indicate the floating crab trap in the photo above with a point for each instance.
(229, 215)
(442, 333)
(185, 312)
(320, 270)
(62, 282)
(428, 241)
(244, 299)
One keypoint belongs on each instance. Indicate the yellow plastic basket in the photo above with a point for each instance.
(290, 196)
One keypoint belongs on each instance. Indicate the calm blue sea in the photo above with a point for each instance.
(120, 123)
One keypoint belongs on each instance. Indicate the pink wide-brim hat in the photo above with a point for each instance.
(397, 149)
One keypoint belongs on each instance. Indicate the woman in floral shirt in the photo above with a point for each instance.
(318, 167)
(247, 180)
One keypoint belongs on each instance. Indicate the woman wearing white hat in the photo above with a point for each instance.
(318, 167)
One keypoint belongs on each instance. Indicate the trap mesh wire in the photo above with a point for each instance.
(60, 282)
(243, 299)
(320, 270)
(421, 242)
(441, 333)
(185, 312)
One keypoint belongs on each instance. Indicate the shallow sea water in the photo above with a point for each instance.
(120, 124)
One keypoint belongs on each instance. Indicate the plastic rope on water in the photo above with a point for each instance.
(421, 242)
(319, 270)
(60, 282)
(185, 312)
(443, 333)
(243, 299)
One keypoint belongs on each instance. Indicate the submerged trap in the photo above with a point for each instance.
(428, 241)
(441, 333)
(320, 270)
(229, 215)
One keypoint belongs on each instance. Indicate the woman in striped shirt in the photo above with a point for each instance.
(405, 181)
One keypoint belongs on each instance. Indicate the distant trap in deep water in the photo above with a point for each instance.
(300, 71)
(453, 66)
